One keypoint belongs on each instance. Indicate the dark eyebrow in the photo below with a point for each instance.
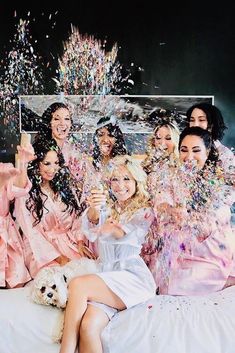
(199, 116)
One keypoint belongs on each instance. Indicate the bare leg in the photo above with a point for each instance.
(82, 289)
(93, 323)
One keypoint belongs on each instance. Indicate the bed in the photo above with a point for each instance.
(165, 324)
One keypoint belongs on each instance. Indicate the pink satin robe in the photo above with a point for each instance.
(225, 155)
(13, 271)
(57, 233)
(197, 255)
(197, 258)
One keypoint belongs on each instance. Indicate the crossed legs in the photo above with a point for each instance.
(81, 290)
(92, 325)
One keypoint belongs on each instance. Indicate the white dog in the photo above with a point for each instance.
(50, 286)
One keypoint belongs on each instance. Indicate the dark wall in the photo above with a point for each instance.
(175, 49)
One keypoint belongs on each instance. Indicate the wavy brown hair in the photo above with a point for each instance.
(60, 184)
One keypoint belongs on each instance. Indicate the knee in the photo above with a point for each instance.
(76, 284)
(89, 328)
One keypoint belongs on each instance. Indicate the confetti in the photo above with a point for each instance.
(22, 76)
(86, 68)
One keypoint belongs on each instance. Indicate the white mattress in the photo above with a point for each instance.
(26, 327)
(166, 324)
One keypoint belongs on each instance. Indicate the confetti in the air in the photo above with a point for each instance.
(87, 68)
(22, 76)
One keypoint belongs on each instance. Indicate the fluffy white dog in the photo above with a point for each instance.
(50, 286)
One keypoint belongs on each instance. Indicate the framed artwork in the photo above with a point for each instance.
(136, 115)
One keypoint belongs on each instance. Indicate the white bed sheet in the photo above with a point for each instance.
(26, 327)
(166, 324)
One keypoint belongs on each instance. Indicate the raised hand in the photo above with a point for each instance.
(96, 199)
(26, 154)
(7, 171)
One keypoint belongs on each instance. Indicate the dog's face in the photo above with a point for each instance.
(50, 287)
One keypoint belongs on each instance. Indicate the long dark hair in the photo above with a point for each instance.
(201, 189)
(60, 184)
(214, 117)
(119, 147)
(206, 136)
(45, 131)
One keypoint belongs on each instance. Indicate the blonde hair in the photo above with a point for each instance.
(141, 197)
(174, 133)
(147, 164)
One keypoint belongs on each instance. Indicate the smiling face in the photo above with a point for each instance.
(193, 149)
(123, 185)
(105, 141)
(60, 124)
(198, 118)
(163, 139)
(49, 166)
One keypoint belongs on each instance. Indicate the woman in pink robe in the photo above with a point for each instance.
(56, 123)
(209, 117)
(48, 214)
(197, 243)
(87, 172)
(13, 272)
